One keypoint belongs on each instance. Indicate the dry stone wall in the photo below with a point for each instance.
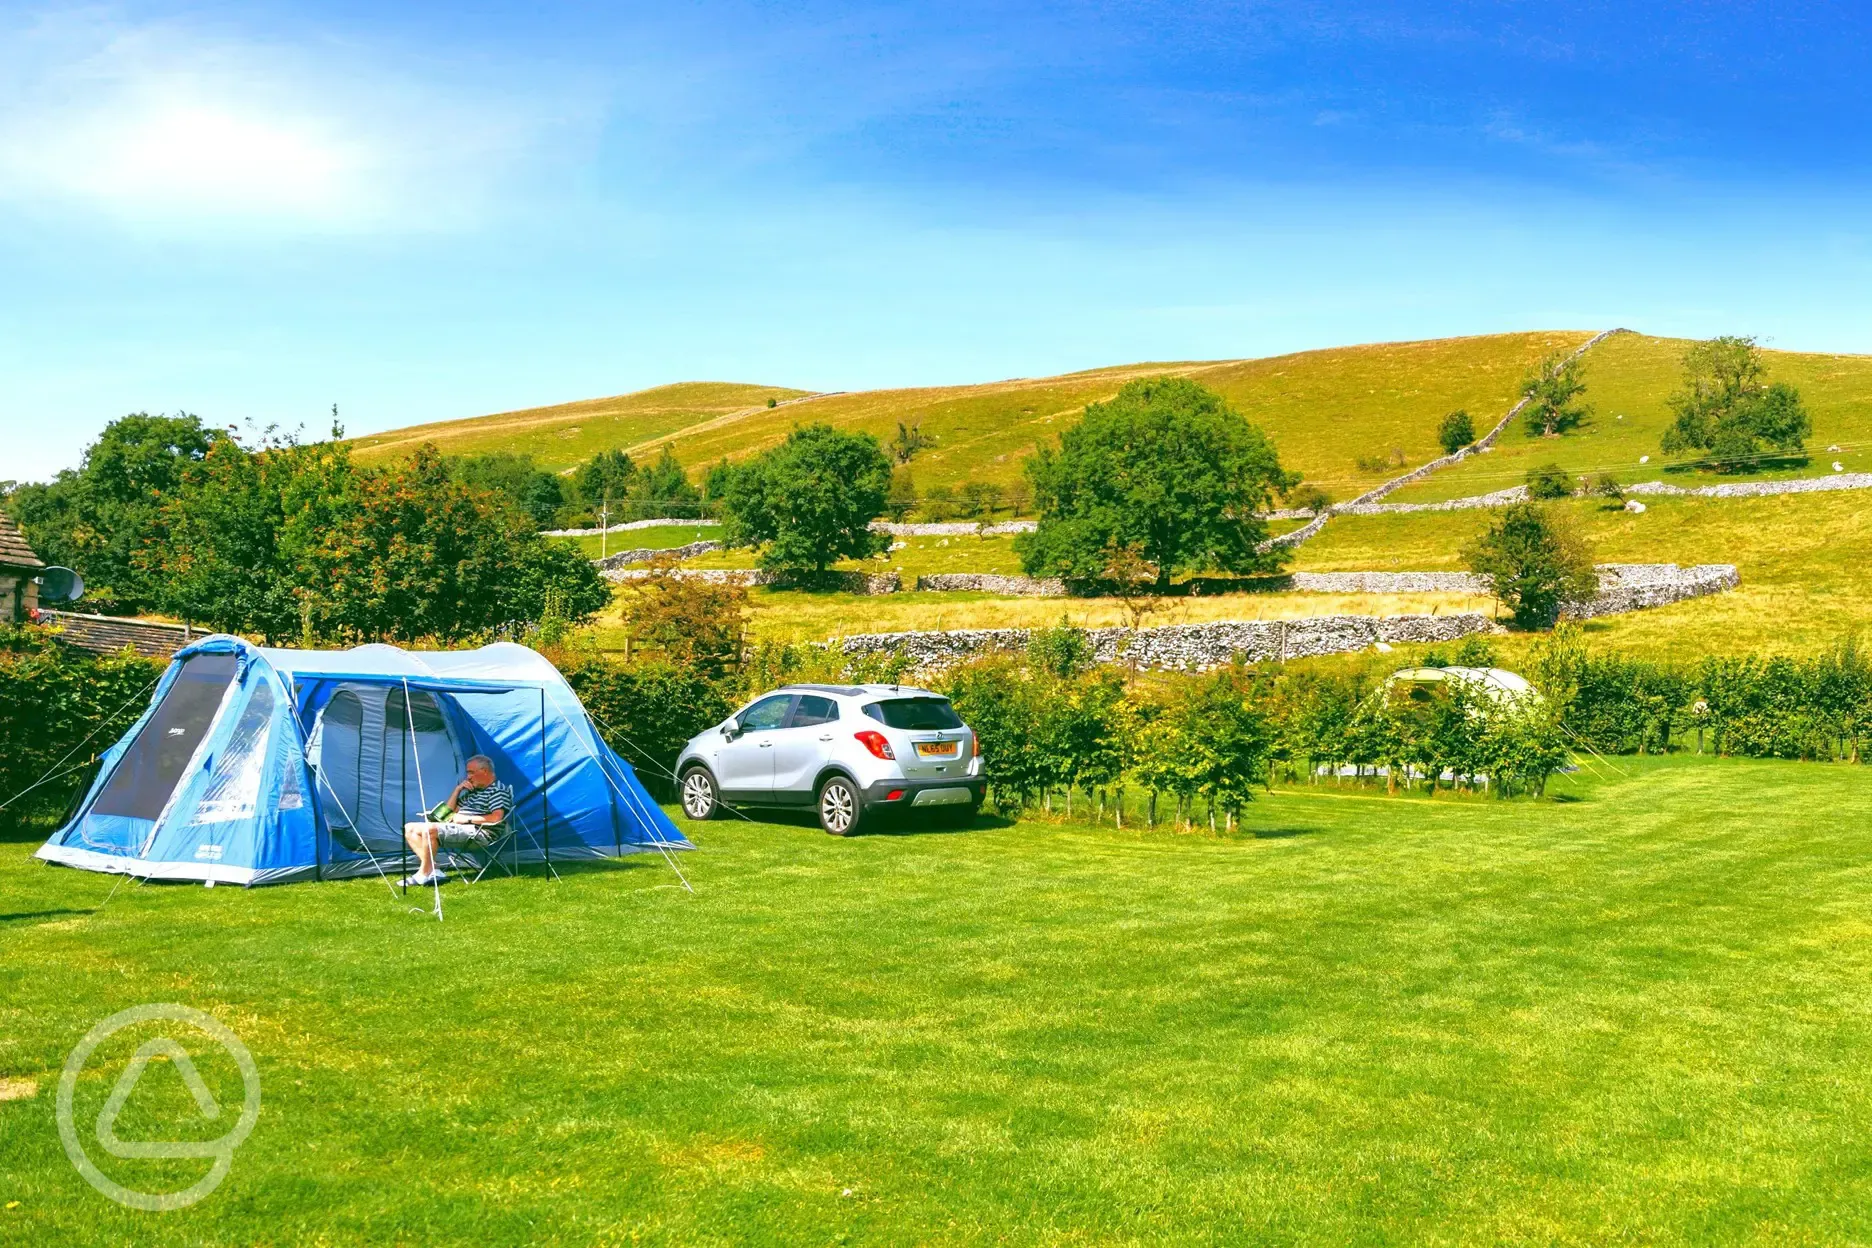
(1635, 586)
(624, 558)
(990, 583)
(1198, 646)
(869, 583)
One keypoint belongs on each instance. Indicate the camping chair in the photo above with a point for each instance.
(484, 858)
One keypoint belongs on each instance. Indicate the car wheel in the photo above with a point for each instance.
(699, 800)
(841, 807)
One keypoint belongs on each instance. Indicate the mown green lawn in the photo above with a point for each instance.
(1639, 1014)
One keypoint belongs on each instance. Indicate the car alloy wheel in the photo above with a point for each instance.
(840, 807)
(698, 795)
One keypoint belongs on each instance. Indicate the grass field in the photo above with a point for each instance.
(1629, 377)
(569, 433)
(661, 537)
(1637, 1013)
(1804, 586)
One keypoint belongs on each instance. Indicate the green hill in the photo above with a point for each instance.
(570, 433)
(1347, 418)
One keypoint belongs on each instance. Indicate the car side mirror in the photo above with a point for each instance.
(731, 730)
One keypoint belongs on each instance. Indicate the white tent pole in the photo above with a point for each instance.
(409, 722)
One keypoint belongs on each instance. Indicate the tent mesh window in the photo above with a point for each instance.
(234, 789)
(146, 775)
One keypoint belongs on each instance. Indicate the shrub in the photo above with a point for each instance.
(1549, 481)
(1456, 432)
(1535, 564)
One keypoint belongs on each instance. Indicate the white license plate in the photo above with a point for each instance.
(937, 749)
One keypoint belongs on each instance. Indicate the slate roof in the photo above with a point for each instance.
(14, 552)
(105, 634)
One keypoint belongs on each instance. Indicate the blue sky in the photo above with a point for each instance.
(253, 212)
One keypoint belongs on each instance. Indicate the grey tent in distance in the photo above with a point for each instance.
(59, 585)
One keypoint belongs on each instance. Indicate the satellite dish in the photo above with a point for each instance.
(59, 585)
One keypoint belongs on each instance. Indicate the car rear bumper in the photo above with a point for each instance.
(923, 794)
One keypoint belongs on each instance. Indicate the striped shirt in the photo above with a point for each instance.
(496, 797)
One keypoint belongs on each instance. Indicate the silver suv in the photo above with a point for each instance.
(848, 751)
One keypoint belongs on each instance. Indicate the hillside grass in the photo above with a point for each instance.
(567, 434)
(1629, 377)
(1324, 409)
(1636, 1013)
(1804, 586)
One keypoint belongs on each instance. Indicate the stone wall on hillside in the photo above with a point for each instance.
(992, 583)
(1199, 646)
(624, 558)
(837, 582)
(625, 527)
(954, 528)
(1635, 586)
(1389, 583)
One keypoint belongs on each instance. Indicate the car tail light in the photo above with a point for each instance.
(974, 746)
(875, 742)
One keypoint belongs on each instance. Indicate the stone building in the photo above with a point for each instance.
(18, 566)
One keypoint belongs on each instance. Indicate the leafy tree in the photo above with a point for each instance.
(1535, 562)
(1308, 498)
(1456, 431)
(1607, 486)
(939, 503)
(1551, 391)
(715, 480)
(908, 442)
(1549, 481)
(663, 489)
(1165, 466)
(605, 476)
(517, 479)
(1726, 411)
(977, 498)
(901, 500)
(1019, 495)
(96, 519)
(294, 542)
(646, 710)
(698, 623)
(809, 502)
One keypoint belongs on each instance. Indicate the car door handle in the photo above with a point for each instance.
(766, 745)
(827, 737)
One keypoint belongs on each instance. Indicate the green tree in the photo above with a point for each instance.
(1165, 466)
(1727, 412)
(1456, 431)
(1535, 562)
(663, 489)
(939, 503)
(1549, 481)
(902, 498)
(1552, 391)
(518, 480)
(294, 542)
(1019, 496)
(606, 475)
(809, 502)
(98, 518)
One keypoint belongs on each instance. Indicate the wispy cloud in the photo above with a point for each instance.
(164, 123)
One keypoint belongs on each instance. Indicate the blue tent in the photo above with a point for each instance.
(256, 766)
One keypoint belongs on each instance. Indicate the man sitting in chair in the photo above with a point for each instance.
(479, 806)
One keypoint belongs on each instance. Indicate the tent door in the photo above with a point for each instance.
(145, 777)
(421, 762)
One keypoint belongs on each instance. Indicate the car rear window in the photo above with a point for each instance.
(914, 714)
